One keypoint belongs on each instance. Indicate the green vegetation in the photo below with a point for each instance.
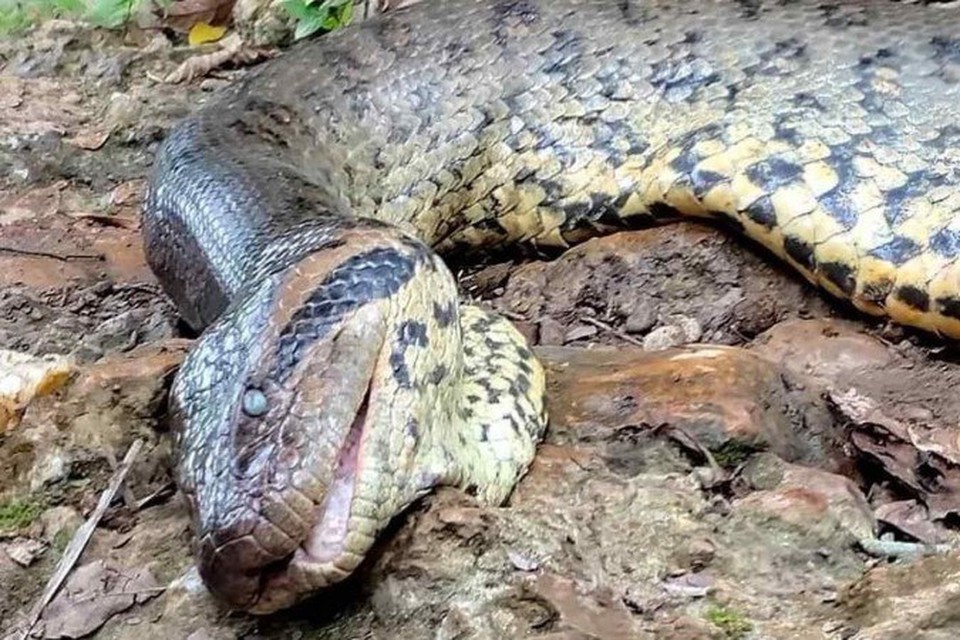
(317, 15)
(731, 454)
(111, 13)
(17, 514)
(734, 625)
(16, 15)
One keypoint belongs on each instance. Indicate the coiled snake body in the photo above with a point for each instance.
(298, 220)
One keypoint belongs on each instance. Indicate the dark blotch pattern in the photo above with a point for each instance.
(373, 275)
(914, 297)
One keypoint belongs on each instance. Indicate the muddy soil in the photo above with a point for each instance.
(650, 511)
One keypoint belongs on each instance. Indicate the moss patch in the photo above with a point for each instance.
(17, 514)
(734, 625)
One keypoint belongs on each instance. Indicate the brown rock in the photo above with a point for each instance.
(806, 497)
(917, 601)
(828, 350)
(631, 280)
(592, 615)
(727, 398)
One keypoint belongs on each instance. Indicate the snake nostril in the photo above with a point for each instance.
(254, 403)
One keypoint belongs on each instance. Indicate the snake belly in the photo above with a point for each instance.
(297, 220)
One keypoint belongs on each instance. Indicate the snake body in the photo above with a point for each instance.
(298, 218)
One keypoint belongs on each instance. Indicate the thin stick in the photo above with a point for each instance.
(56, 256)
(80, 539)
(607, 327)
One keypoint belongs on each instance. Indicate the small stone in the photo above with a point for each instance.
(917, 414)
(679, 331)
(522, 561)
(24, 551)
(641, 319)
(551, 331)
(664, 338)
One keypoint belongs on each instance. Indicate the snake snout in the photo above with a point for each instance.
(285, 497)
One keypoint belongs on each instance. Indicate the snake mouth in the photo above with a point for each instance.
(323, 556)
(246, 576)
(326, 541)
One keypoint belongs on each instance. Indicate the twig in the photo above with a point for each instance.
(155, 497)
(80, 539)
(67, 257)
(606, 327)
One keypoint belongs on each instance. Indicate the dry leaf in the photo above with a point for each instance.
(24, 377)
(921, 462)
(202, 33)
(232, 51)
(92, 595)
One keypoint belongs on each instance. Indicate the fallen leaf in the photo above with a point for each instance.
(24, 377)
(93, 594)
(911, 518)
(232, 50)
(202, 33)
(921, 461)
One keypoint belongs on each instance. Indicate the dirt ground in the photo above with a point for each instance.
(726, 444)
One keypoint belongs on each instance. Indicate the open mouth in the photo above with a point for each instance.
(326, 540)
(322, 558)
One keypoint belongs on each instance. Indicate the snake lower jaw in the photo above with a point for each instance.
(329, 551)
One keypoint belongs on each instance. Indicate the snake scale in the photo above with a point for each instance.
(297, 220)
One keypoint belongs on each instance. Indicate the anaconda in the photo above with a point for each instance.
(298, 218)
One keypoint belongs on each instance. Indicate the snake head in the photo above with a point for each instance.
(297, 428)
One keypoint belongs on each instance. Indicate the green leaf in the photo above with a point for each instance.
(308, 27)
(111, 13)
(298, 9)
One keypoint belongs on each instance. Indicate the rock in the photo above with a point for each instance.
(591, 615)
(92, 594)
(631, 279)
(641, 319)
(729, 399)
(679, 331)
(811, 498)
(827, 350)
(917, 601)
(24, 551)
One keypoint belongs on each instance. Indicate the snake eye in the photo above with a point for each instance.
(254, 403)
